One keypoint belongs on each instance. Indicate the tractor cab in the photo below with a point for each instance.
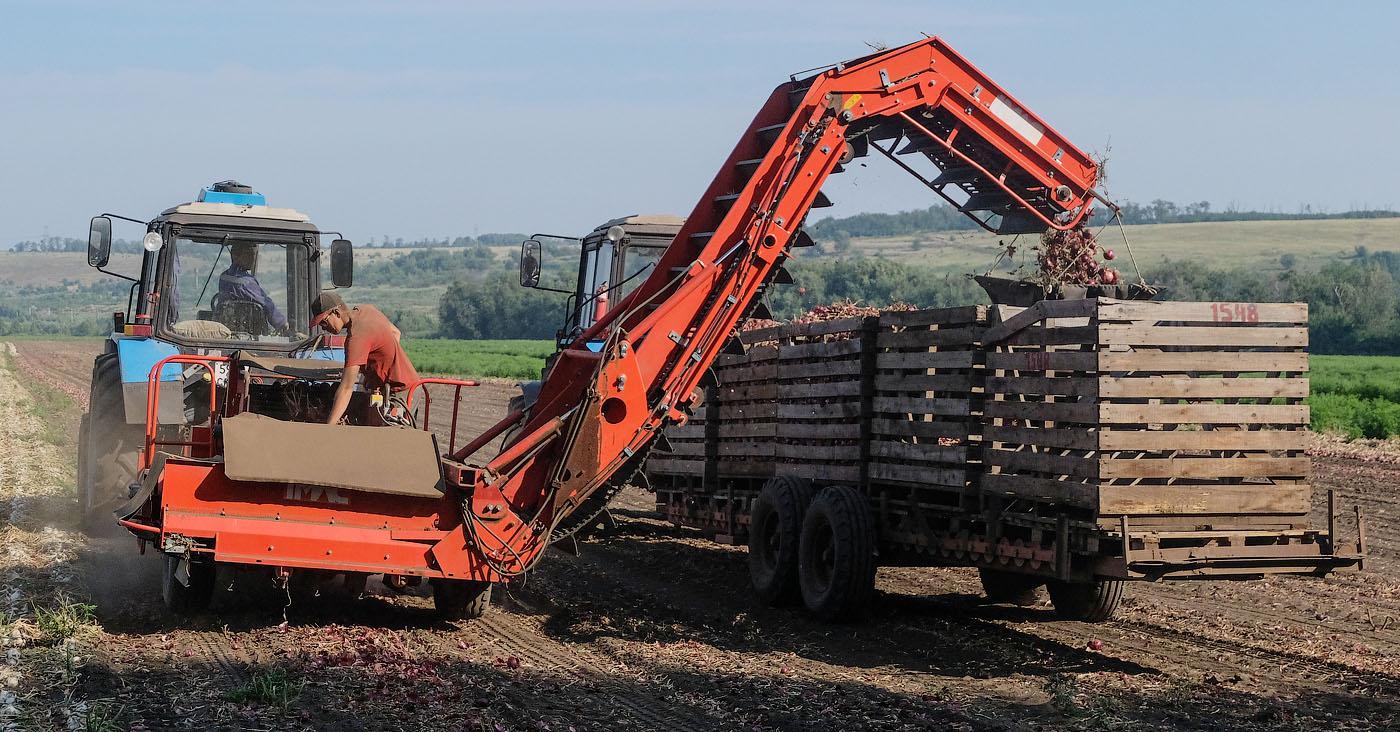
(614, 259)
(223, 273)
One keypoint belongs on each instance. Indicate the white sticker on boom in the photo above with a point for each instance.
(1017, 120)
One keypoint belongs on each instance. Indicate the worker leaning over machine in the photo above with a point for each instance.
(371, 344)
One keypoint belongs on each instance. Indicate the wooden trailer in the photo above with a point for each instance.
(1073, 444)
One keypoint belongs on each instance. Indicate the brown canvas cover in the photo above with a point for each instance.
(300, 368)
(401, 462)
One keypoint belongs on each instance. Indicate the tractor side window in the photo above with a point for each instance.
(230, 290)
(636, 268)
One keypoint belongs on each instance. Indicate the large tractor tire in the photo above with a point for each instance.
(836, 556)
(187, 595)
(1011, 587)
(1090, 602)
(109, 448)
(775, 531)
(461, 599)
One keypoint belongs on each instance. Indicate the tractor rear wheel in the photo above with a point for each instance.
(775, 530)
(187, 595)
(461, 599)
(1011, 587)
(836, 557)
(1090, 602)
(110, 447)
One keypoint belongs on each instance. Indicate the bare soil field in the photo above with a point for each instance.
(653, 627)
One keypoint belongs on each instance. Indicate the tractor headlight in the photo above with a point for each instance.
(152, 242)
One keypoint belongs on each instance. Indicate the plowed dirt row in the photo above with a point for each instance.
(653, 628)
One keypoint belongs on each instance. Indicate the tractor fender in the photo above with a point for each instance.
(136, 356)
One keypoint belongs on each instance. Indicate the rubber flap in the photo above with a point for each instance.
(392, 460)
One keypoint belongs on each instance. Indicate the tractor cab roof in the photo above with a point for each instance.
(660, 227)
(238, 215)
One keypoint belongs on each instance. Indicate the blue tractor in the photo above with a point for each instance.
(223, 273)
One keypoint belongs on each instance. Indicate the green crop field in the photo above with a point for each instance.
(499, 359)
(1356, 396)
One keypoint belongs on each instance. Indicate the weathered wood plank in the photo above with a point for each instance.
(1205, 312)
(925, 451)
(1207, 467)
(1109, 414)
(923, 405)
(924, 382)
(829, 349)
(817, 453)
(821, 369)
(925, 338)
(673, 466)
(1110, 387)
(920, 428)
(1076, 386)
(737, 448)
(1036, 313)
(822, 471)
(735, 412)
(1201, 361)
(687, 449)
(1152, 335)
(1024, 461)
(1043, 361)
(1061, 438)
(1081, 413)
(936, 316)
(1045, 489)
(751, 392)
(833, 410)
(1257, 500)
(1111, 440)
(825, 431)
(917, 474)
(1041, 336)
(928, 360)
(818, 389)
(734, 430)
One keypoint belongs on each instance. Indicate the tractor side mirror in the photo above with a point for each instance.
(530, 258)
(99, 241)
(342, 263)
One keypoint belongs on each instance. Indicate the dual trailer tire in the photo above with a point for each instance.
(822, 548)
(1089, 602)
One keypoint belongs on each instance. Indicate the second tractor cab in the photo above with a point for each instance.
(223, 273)
(613, 259)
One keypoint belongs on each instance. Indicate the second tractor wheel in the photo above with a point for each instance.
(187, 591)
(1091, 602)
(775, 530)
(836, 556)
(461, 599)
(1011, 587)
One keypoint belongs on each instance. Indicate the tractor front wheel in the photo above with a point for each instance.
(461, 599)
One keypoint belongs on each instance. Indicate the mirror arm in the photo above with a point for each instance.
(125, 218)
(117, 274)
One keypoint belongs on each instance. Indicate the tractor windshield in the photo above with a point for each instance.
(236, 290)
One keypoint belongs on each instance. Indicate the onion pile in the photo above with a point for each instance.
(1072, 258)
(823, 313)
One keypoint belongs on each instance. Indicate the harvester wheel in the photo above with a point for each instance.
(461, 599)
(187, 598)
(836, 558)
(1011, 587)
(110, 445)
(1091, 602)
(775, 530)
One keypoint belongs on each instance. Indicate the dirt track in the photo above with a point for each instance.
(653, 628)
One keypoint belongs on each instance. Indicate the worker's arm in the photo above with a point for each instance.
(343, 393)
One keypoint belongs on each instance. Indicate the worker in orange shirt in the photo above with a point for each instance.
(371, 345)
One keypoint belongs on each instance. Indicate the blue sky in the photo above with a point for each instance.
(434, 118)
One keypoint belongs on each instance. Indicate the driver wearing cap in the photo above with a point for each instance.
(371, 345)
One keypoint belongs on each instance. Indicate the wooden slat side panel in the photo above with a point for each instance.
(1254, 500)
(1110, 387)
(1206, 312)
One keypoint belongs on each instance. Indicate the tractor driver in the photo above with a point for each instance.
(371, 344)
(239, 284)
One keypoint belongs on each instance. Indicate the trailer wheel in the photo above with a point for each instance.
(775, 531)
(836, 555)
(1011, 587)
(187, 598)
(112, 447)
(1091, 602)
(461, 599)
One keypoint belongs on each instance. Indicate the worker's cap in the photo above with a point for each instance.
(323, 304)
